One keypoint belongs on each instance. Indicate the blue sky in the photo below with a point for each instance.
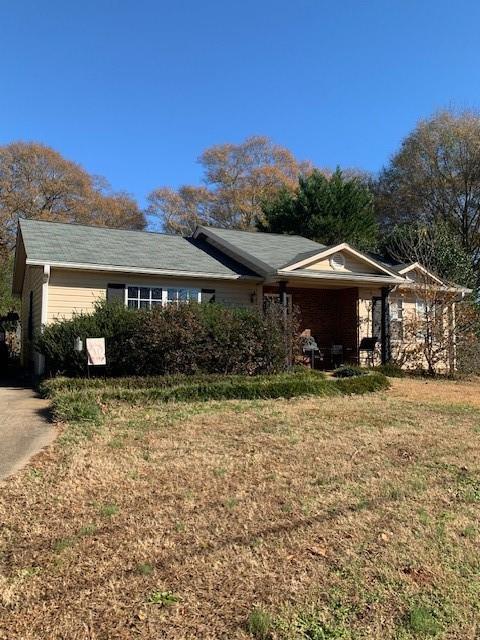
(135, 91)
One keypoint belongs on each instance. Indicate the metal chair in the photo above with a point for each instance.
(337, 355)
(368, 345)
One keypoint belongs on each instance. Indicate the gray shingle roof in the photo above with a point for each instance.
(272, 249)
(50, 242)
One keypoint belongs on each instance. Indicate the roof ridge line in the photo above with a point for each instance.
(96, 226)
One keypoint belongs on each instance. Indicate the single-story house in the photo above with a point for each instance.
(343, 295)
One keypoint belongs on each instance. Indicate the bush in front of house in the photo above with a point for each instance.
(391, 370)
(187, 339)
(349, 371)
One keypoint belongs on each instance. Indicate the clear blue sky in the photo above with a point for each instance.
(135, 90)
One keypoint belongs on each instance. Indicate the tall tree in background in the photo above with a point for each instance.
(435, 178)
(237, 179)
(37, 182)
(7, 301)
(328, 209)
(435, 247)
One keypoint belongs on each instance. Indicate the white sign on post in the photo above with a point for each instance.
(96, 351)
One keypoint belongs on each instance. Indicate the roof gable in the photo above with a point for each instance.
(341, 259)
(415, 272)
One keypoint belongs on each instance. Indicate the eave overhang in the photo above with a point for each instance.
(308, 274)
(142, 270)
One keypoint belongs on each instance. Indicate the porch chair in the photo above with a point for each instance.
(368, 345)
(337, 355)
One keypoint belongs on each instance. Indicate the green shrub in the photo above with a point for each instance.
(349, 371)
(391, 370)
(52, 387)
(186, 339)
(72, 404)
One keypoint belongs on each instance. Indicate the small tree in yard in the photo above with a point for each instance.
(442, 334)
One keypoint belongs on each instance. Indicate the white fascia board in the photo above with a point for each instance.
(412, 286)
(417, 265)
(234, 252)
(123, 269)
(344, 246)
(349, 277)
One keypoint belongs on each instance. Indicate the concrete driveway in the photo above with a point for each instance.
(24, 428)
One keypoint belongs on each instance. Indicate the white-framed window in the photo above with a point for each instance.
(142, 297)
(421, 314)
(176, 295)
(421, 308)
(396, 319)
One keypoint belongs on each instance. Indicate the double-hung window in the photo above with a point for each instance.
(179, 295)
(144, 297)
(421, 316)
(137, 297)
(396, 319)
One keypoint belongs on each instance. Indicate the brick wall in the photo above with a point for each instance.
(330, 314)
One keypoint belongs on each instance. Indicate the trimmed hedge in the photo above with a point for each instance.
(49, 387)
(349, 371)
(76, 400)
(186, 339)
(391, 370)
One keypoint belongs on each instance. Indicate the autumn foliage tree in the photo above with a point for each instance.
(37, 182)
(237, 179)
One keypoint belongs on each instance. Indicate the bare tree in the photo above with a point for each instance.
(237, 178)
(445, 322)
(436, 177)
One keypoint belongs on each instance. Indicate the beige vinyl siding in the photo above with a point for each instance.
(32, 282)
(352, 265)
(77, 291)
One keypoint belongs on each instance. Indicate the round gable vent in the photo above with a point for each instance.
(337, 261)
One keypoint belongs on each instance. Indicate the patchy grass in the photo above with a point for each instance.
(345, 517)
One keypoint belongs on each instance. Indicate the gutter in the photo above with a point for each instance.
(145, 271)
(351, 277)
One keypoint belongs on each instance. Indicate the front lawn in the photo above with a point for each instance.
(351, 517)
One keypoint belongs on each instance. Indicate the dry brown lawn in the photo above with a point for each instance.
(353, 517)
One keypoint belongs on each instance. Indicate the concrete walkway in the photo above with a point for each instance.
(24, 428)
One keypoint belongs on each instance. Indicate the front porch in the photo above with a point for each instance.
(339, 319)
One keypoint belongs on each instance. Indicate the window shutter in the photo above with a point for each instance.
(208, 295)
(116, 293)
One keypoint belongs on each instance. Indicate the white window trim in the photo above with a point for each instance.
(163, 287)
(396, 315)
